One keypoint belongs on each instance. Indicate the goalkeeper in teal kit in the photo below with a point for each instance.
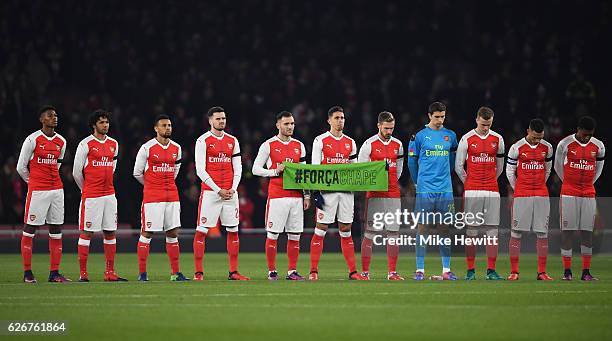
(431, 156)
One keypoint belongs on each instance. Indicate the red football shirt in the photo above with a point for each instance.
(40, 159)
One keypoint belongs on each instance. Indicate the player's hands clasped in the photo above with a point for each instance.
(226, 194)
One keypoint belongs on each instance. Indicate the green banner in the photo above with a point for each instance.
(349, 177)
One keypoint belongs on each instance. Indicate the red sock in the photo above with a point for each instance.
(55, 251)
(143, 253)
(293, 252)
(316, 249)
(271, 254)
(198, 250)
(470, 256)
(567, 262)
(366, 254)
(515, 251)
(542, 251)
(233, 248)
(492, 251)
(392, 254)
(586, 262)
(348, 250)
(83, 251)
(173, 251)
(110, 249)
(26, 250)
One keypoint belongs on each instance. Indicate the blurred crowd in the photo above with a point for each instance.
(256, 58)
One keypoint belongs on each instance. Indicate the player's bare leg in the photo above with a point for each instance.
(293, 252)
(316, 249)
(566, 254)
(421, 250)
(83, 252)
(110, 250)
(144, 243)
(514, 250)
(392, 256)
(233, 248)
(542, 251)
(173, 251)
(271, 242)
(55, 254)
(586, 249)
(27, 237)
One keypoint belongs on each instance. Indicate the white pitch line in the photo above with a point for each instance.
(335, 294)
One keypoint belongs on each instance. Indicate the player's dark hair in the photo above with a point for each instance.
(282, 114)
(332, 110)
(97, 115)
(161, 117)
(586, 123)
(213, 110)
(485, 113)
(436, 106)
(536, 125)
(385, 116)
(45, 108)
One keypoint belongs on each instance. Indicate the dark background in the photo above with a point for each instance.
(255, 58)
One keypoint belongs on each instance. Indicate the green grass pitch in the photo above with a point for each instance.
(331, 309)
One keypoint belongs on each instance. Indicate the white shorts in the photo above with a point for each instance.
(530, 212)
(382, 205)
(96, 214)
(160, 216)
(485, 203)
(44, 207)
(285, 215)
(577, 213)
(212, 208)
(340, 204)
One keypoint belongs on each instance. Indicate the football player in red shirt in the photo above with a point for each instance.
(383, 147)
(482, 150)
(284, 208)
(528, 167)
(95, 162)
(219, 166)
(157, 165)
(334, 147)
(39, 161)
(579, 162)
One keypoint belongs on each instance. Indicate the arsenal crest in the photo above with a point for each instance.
(112, 149)
(494, 145)
(88, 224)
(446, 138)
(270, 224)
(347, 146)
(230, 146)
(32, 217)
(297, 151)
(174, 156)
(58, 147)
(320, 215)
(149, 224)
(203, 220)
